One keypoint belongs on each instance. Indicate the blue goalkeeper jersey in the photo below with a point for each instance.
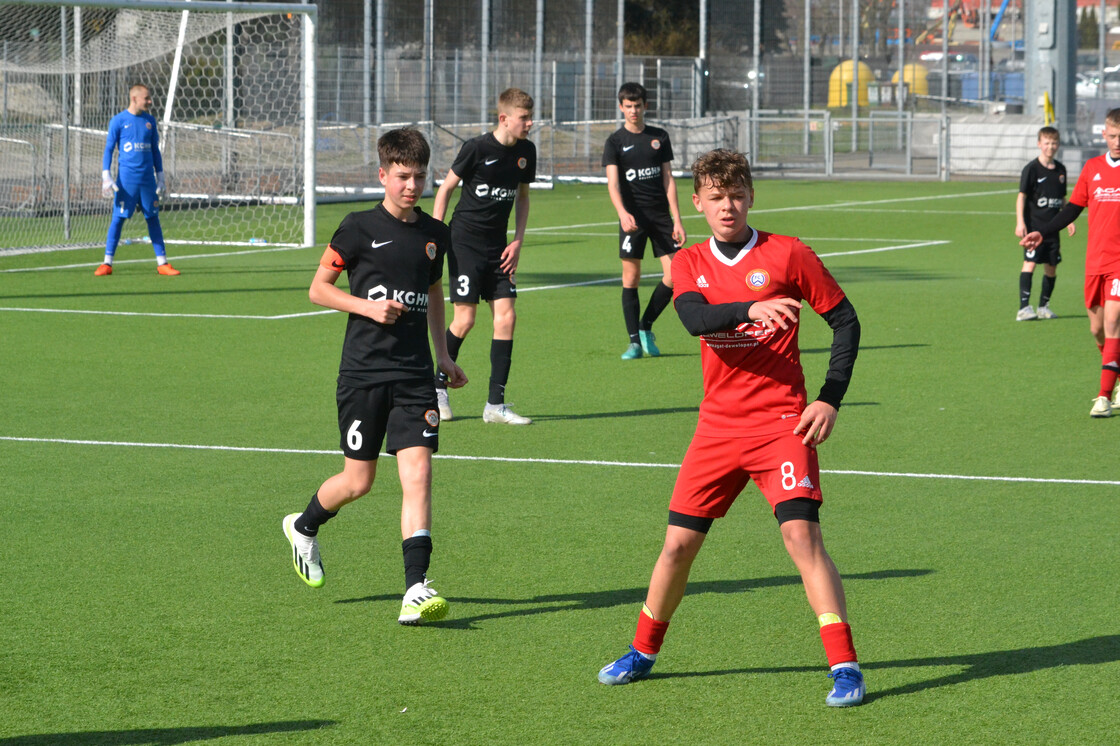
(136, 139)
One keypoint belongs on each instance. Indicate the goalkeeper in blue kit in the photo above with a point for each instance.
(133, 134)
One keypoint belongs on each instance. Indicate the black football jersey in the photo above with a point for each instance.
(1046, 192)
(387, 258)
(491, 174)
(639, 157)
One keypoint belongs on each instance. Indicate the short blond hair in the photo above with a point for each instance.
(514, 98)
(1113, 118)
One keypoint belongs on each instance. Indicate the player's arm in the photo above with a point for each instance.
(1065, 216)
(107, 160)
(819, 416)
(679, 236)
(512, 253)
(701, 317)
(325, 293)
(625, 219)
(1020, 220)
(455, 375)
(157, 163)
(443, 196)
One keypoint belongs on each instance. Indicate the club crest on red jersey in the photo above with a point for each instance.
(655, 144)
(431, 417)
(430, 250)
(758, 279)
(522, 162)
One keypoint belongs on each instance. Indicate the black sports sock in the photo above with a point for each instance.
(417, 556)
(1047, 290)
(631, 308)
(453, 345)
(314, 516)
(501, 357)
(662, 294)
(1025, 288)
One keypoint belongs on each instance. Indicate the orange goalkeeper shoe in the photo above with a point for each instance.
(167, 270)
(104, 269)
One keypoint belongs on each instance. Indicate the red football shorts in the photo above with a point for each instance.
(1099, 288)
(715, 471)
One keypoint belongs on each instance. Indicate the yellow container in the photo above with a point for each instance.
(840, 82)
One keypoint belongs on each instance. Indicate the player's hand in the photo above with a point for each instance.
(627, 222)
(679, 236)
(816, 422)
(1031, 240)
(1020, 229)
(510, 257)
(386, 311)
(161, 186)
(107, 188)
(773, 313)
(456, 378)
(1071, 229)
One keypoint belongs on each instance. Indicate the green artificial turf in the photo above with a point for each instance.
(148, 594)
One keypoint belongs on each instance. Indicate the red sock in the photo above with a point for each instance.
(650, 634)
(837, 639)
(1110, 366)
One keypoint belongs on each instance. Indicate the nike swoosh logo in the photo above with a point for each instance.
(628, 147)
(379, 245)
(338, 265)
(490, 162)
(429, 434)
(1042, 180)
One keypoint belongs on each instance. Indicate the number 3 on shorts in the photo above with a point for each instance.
(354, 437)
(464, 285)
(789, 481)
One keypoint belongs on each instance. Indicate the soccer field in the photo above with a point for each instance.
(154, 431)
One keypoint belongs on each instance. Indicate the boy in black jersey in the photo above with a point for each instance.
(1042, 192)
(393, 258)
(495, 170)
(642, 190)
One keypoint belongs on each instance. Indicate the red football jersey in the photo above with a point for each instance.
(753, 383)
(1098, 188)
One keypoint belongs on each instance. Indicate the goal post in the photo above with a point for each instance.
(233, 89)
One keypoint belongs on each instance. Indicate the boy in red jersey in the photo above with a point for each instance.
(1098, 188)
(740, 293)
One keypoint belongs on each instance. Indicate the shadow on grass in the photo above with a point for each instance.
(164, 736)
(603, 415)
(605, 599)
(1090, 651)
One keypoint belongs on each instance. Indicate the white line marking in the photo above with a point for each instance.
(899, 247)
(150, 259)
(171, 315)
(571, 462)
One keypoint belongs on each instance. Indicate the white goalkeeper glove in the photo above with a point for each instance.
(107, 185)
(161, 185)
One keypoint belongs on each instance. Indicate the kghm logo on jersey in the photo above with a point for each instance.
(498, 194)
(410, 298)
(757, 279)
(431, 417)
(655, 144)
(522, 162)
(127, 147)
(642, 174)
(430, 250)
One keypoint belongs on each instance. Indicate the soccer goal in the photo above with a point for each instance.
(233, 89)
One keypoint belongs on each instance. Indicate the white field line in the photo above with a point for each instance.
(569, 462)
(585, 283)
(169, 315)
(177, 258)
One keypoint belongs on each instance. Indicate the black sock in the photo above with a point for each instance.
(314, 516)
(662, 294)
(417, 556)
(1047, 290)
(1025, 288)
(453, 345)
(501, 357)
(631, 308)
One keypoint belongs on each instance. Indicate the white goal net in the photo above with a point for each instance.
(233, 92)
